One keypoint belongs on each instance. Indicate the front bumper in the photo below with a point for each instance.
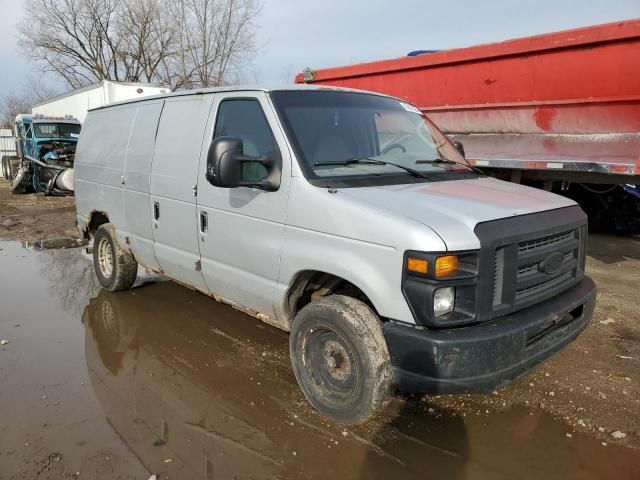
(485, 356)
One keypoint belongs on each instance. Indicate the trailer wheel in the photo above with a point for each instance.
(5, 167)
(115, 268)
(340, 358)
(11, 169)
(21, 182)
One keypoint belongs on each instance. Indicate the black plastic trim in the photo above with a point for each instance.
(487, 355)
(507, 233)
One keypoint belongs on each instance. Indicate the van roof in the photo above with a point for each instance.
(240, 88)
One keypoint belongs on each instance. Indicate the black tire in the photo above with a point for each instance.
(115, 267)
(5, 167)
(21, 183)
(11, 170)
(340, 358)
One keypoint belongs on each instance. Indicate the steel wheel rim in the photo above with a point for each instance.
(331, 365)
(105, 257)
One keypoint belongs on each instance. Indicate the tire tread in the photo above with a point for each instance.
(125, 267)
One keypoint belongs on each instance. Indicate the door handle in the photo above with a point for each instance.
(156, 211)
(204, 222)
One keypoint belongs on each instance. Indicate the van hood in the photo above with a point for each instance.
(453, 208)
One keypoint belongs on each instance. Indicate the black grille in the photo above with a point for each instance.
(520, 268)
(545, 242)
(542, 287)
(533, 268)
(531, 280)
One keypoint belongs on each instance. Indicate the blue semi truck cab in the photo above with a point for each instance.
(45, 148)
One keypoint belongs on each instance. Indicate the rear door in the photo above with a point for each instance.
(174, 173)
(101, 153)
(138, 221)
(242, 229)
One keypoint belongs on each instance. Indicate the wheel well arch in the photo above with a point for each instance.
(310, 285)
(96, 218)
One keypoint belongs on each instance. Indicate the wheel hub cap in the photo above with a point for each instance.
(337, 360)
(105, 257)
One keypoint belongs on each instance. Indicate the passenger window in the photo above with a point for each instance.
(244, 119)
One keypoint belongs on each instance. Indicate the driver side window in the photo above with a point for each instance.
(245, 119)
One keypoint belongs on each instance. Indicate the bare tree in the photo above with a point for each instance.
(34, 90)
(215, 40)
(39, 90)
(186, 43)
(14, 104)
(75, 39)
(148, 37)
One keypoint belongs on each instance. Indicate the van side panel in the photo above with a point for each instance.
(136, 191)
(241, 249)
(174, 173)
(341, 235)
(99, 163)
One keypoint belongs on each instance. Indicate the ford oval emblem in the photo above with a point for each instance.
(552, 264)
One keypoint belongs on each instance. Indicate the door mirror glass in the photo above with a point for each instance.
(254, 172)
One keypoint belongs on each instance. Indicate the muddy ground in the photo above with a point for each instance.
(162, 380)
(34, 217)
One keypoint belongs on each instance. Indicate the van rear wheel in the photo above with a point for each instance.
(115, 268)
(340, 358)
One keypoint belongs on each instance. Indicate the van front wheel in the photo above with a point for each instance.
(116, 268)
(340, 358)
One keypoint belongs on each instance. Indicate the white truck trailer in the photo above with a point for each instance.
(78, 102)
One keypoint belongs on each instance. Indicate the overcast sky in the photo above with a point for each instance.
(298, 33)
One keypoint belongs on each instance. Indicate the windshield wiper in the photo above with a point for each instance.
(449, 162)
(371, 161)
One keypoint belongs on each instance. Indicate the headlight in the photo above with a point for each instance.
(443, 301)
(442, 288)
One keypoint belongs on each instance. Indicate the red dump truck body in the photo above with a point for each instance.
(560, 110)
(561, 101)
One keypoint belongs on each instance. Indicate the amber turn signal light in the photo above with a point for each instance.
(446, 266)
(417, 265)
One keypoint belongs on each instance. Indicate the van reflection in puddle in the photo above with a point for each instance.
(197, 390)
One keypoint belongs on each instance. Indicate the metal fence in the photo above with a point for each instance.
(7, 143)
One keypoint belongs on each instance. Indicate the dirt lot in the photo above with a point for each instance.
(592, 387)
(35, 217)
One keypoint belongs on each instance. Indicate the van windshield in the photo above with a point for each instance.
(347, 135)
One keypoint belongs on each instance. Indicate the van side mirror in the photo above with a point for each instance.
(458, 146)
(227, 166)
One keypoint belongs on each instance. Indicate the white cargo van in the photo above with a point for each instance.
(346, 218)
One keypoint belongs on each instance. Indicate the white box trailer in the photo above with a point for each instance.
(78, 102)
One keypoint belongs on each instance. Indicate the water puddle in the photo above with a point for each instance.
(54, 243)
(165, 380)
